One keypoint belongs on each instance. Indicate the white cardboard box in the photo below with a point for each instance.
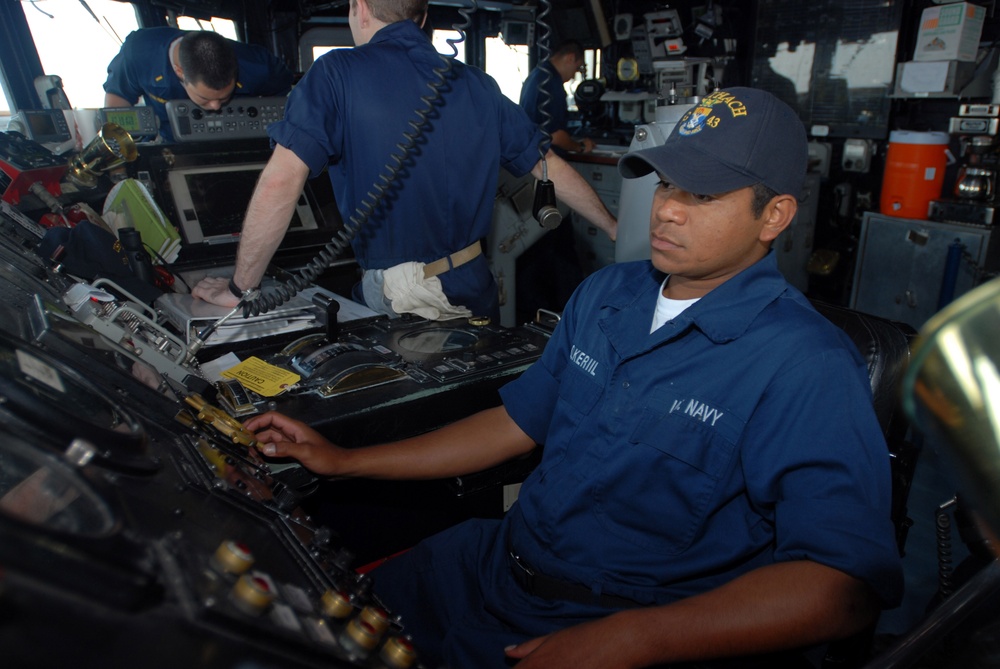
(950, 32)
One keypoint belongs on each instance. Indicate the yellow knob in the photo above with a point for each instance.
(398, 653)
(336, 604)
(232, 557)
(252, 594)
(375, 617)
(362, 633)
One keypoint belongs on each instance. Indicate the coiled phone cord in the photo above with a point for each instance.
(544, 52)
(544, 207)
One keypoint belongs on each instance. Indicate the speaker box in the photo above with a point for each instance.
(623, 26)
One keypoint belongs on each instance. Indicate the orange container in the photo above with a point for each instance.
(914, 172)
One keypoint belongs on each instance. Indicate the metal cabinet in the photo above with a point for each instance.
(594, 247)
(901, 265)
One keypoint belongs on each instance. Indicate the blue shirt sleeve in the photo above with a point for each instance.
(825, 499)
(260, 73)
(311, 127)
(122, 80)
(523, 143)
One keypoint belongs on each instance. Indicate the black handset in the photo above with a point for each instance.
(138, 258)
(544, 209)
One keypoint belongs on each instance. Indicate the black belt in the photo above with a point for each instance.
(548, 587)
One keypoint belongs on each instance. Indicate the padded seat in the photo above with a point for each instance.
(885, 346)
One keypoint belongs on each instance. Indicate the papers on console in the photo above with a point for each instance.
(191, 316)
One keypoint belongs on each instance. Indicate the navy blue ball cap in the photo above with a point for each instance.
(731, 139)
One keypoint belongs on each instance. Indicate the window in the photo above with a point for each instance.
(77, 45)
(224, 27)
(4, 106)
(838, 75)
(318, 51)
(440, 40)
(592, 59)
(317, 41)
(592, 67)
(508, 64)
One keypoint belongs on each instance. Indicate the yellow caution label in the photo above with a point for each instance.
(261, 377)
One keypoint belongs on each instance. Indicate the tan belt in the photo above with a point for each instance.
(456, 259)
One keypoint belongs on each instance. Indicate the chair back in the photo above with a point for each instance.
(885, 346)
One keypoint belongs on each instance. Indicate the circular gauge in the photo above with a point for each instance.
(438, 340)
(37, 489)
(628, 69)
(57, 400)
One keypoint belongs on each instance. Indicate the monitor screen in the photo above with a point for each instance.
(126, 118)
(137, 121)
(45, 126)
(211, 202)
(42, 124)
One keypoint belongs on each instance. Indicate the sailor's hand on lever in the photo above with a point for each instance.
(215, 290)
(279, 436)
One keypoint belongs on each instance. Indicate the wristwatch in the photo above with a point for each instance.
(235, 290)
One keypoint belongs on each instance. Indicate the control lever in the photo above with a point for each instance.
(330, 307)
(332, 326)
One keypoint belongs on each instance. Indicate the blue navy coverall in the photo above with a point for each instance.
(737, 435)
